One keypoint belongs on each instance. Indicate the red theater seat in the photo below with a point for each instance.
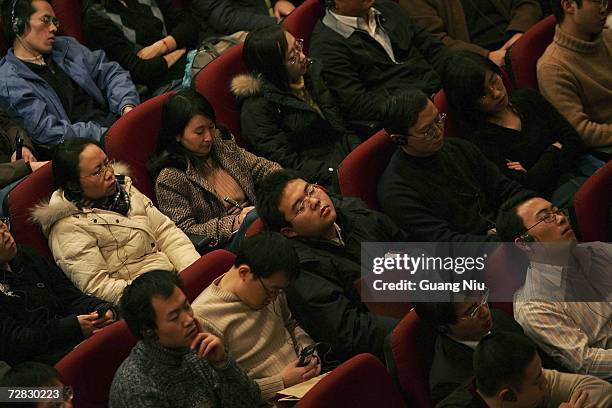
(359, 172)
(361, 382)
(199, 275)
(69, 14)
(592, 203)
(505, 271)
(302, 20)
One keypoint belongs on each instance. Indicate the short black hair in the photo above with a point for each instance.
(464, 84)
(264, 54)
(135, 304)
(557, 9)
(500, 360)
(269, 195)
(65, 164)
(13, 10)
(267, 253)
(508, 224)
(30, 374)
(437, 314)
(400, 112)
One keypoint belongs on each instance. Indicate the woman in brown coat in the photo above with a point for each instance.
(203, 181)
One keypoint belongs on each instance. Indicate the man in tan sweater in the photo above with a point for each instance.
(574, 72)
(247, 309)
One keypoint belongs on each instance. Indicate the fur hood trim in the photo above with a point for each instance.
(245, 85)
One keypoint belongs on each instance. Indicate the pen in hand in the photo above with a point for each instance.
(233, 202)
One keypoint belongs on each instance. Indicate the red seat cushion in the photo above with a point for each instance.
(199, 275)
(69, 14)
(592, 204)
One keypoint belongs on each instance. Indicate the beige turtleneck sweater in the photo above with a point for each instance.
(576, 77)
(262, 341)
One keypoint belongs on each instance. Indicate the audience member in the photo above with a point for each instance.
(486, 27)
(42, 314)
(371, 50)
(11, 168)
(198, 165)
(175, 363)
(441, 190)
(287, 113)
(247, 309)
(574, 71)
(35, 375)
(522, 133)
(149, 39)
(460, 326)
(327, 234)
(565, 303)
(102, 231)
(508, 374)
(57, 88)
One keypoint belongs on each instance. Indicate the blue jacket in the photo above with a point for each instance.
(30, 99)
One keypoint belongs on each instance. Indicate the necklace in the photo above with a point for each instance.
(38, 60)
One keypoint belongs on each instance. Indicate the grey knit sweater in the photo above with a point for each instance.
(157, 377)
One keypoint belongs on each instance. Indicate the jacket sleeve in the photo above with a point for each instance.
(259, 166)
(424, 13)
(558, 85)
(107, 36)
(11, 129)
(13, 171)
(260, 125)
(170, 239)
(234, 387)
(170, 189)
(228, 18)
(181, 25)
(432, 48)
(523, 14)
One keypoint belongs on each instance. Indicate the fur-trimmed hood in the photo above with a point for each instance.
(57, 207)
(246, 85)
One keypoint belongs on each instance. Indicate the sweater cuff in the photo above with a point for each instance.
(269, 386)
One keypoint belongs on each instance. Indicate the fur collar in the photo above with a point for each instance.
(245, 85)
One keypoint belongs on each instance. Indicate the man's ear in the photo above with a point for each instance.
(288, 232)
(244, 271)
(568, 6)
(178, 137)
(522, 243)
(506, 394)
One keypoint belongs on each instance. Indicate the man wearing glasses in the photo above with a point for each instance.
(441, 190)
(327, 232)
(574, 71)
(565, 304)
(54, 86)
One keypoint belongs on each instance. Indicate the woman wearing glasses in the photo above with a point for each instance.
(521, 132)
(102, 231)
(287, 113)
(203, 181)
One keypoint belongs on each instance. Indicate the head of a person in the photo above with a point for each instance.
(81, 168)
(275, 54)
(188, 124)
(266, 264)
(473, 87)
(413, 122)
(8, 247)
(30, 23)
(156, 309)
(288, 204)
(586, 18)
(508, 371)
(350, 8)
(467, 320)
(35, 374)
(528, 218)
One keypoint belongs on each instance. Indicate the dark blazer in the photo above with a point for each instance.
(9, 131)
(359, 71)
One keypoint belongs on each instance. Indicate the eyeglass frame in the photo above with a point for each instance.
(298, 48)
(474, 314)
(549, 218)
(435, 126)
(67, 395)
(6, 221)
(499, 84)
(602, 3)
(47, 20)
(271, 293)
(110, 164)
(307, 196)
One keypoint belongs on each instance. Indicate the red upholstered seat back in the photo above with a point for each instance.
(35, 188)
(69, 14)
(592, 204)
(133, 139)
(204, 271)
(214, 83)
(359, 172)
(412, 348)
(524, 54)
(89, 368)
(361, 382)
(505, 272)
(302, 20)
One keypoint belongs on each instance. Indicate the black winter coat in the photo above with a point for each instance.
(38, 310)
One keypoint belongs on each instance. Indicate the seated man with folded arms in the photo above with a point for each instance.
(440, 189)
(565, 304)
(508, 374)
(175, 364)
(55, 87)
(247, 309)
(574, 72)
(326, 233)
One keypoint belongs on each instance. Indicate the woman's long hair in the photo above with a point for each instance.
(264, 54)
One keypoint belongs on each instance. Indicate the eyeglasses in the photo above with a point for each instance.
(107, 165)
(474, 313)
(47, 20)
(297, 50)
(548, 217)
(603, 4)
(497, 85)
(433, 130)
(270, 293)
(310, 190)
